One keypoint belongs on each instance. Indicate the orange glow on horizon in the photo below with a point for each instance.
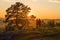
(40, 8)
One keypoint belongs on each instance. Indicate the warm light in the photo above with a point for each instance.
(34, 0)
(9, 0)
(29, 14)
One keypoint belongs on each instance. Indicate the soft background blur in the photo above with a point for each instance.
(43, 9)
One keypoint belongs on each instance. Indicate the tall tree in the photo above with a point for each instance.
(17, 15)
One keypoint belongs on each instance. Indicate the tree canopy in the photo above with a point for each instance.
(17, 15)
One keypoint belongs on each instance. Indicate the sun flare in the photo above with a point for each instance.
(29, 14)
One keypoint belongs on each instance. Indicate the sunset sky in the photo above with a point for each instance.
(43, 9)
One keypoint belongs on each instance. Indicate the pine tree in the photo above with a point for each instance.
(16, 16)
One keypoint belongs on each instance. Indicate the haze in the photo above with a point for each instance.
(43, 9)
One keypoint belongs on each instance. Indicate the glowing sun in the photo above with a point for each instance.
(29, 14)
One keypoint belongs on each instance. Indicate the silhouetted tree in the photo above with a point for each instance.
(17, 16)
(32, 16)
(51, 23)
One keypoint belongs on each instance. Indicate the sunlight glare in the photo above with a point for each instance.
(29, 14)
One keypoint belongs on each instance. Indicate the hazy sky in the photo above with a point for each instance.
(44, 9)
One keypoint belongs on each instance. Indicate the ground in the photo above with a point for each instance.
(28, 36)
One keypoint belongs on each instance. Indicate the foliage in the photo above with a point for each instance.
(17, 16)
